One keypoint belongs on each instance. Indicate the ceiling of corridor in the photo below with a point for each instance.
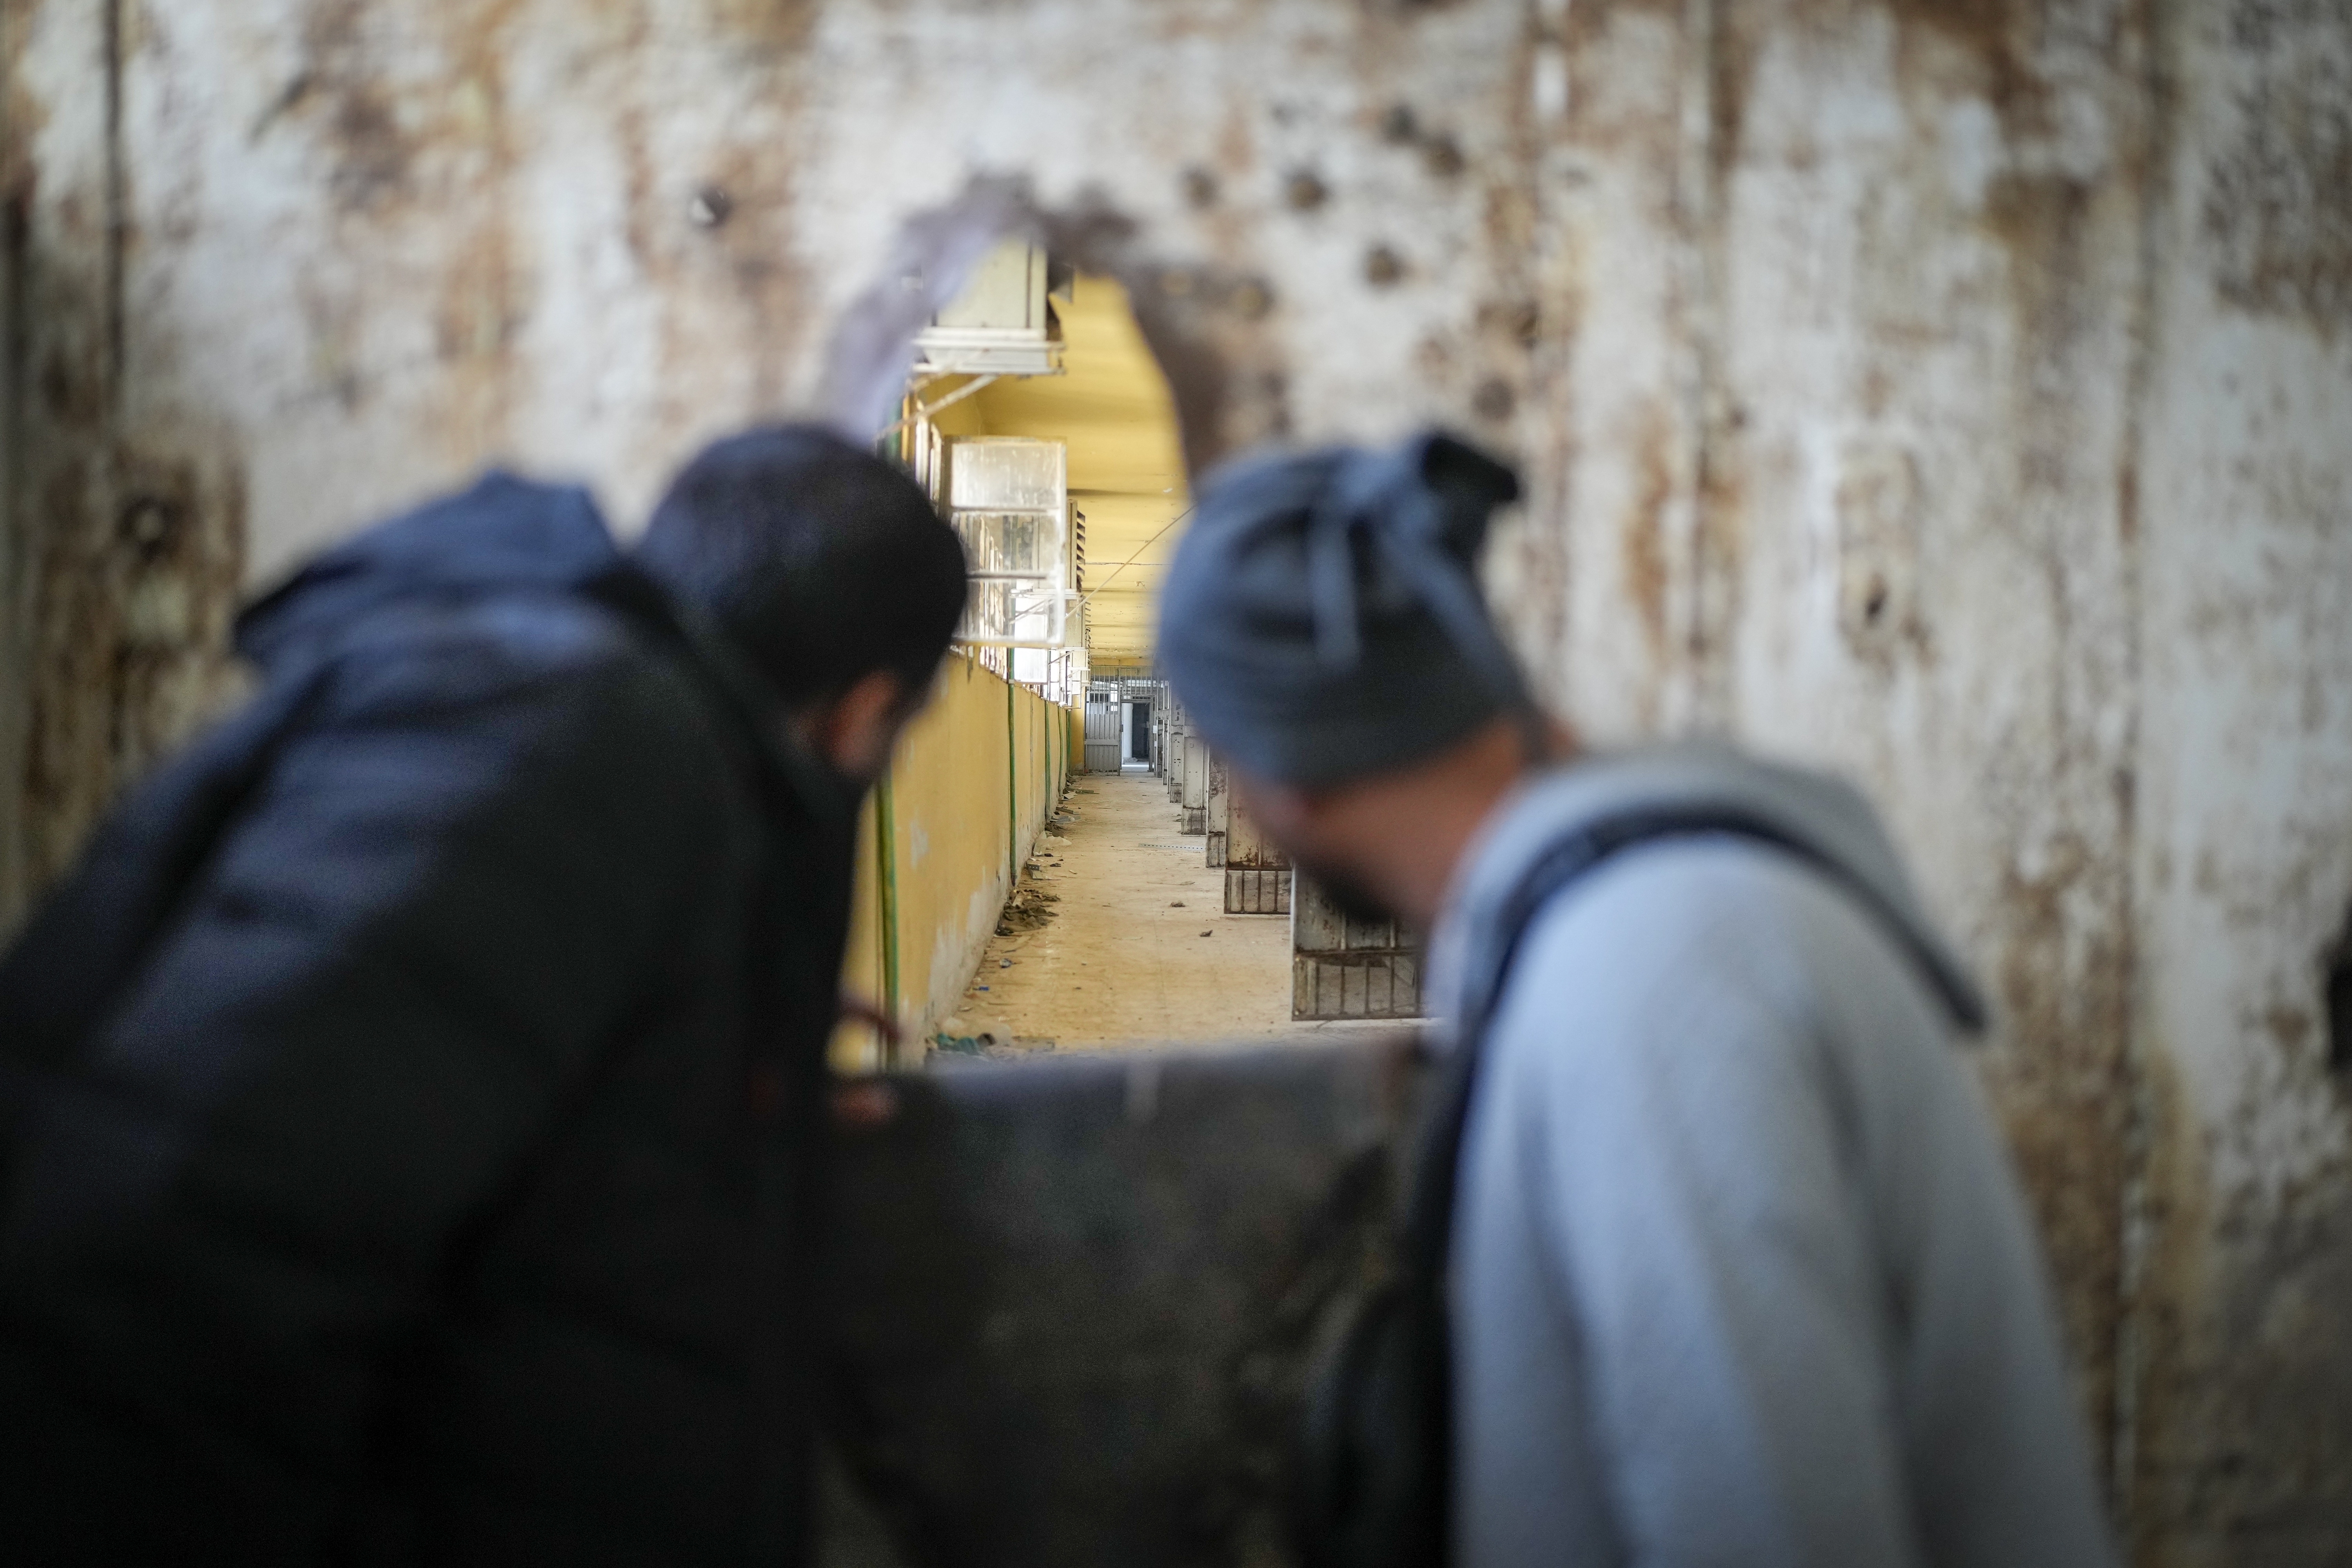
(1126, 468)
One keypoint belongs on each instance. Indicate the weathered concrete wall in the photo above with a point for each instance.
(1893, 528)
(2242, 854)
(1078, 1322)
(1957, 390)
(124, 530)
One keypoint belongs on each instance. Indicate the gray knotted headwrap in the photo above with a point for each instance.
(1322, 618)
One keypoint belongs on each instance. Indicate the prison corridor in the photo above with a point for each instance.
(1118, 937)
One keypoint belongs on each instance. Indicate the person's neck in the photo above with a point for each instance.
(1431, 814)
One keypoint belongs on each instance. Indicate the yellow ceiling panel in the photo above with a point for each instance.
(1126, 466)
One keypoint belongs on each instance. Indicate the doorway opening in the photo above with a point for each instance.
(1139, 736)
(1038, 418)
(1128, 897)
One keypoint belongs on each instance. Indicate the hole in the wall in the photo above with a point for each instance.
(1873, 603)
(1196, 318)
(1117, 330)
(1442, 156)
(149, 524)
(909, 363)
(1203, 321)
(1521, 322)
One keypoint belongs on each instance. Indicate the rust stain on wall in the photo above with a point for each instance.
(137, 576)
(2157, 1371)
(371, 149)
(1647, 568)
(2245, 1433)
(2064, 1090)
(127, 559)
(766, 30)
(2278, 200)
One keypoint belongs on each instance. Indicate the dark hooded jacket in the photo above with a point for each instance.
(413, 1115)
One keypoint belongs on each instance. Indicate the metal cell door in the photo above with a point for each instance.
(1257, 873)
(1217, 817)
(1195, 802)
(1344, 968)
(1102, 729)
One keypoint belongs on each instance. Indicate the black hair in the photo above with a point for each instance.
(824, 561)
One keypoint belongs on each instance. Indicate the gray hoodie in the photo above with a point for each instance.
(1741, 1274)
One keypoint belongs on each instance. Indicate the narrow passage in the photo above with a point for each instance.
(1137, 949)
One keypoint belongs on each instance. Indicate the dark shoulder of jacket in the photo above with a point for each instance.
(553, 649)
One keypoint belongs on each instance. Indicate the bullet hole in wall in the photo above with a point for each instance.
(150, 526)
(1517, 321)
(1441, 156)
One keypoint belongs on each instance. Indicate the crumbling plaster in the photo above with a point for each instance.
(1956, 391)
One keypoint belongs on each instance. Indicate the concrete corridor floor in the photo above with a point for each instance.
(1138, 948)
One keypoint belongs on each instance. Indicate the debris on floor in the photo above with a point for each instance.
(989, 1046)
(1111, 962)
(1026, 909)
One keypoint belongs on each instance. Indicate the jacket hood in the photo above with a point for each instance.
(504, 533)
(1826, 815)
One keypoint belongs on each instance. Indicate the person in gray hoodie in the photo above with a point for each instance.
(1740, 1270)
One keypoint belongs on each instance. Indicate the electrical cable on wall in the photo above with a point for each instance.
(1089, 597)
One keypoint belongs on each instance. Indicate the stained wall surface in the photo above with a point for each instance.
(1957, 392)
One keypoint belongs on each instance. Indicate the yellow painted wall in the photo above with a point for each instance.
(956, 818)
(973, 781)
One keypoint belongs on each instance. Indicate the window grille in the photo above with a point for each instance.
(1008, 496)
